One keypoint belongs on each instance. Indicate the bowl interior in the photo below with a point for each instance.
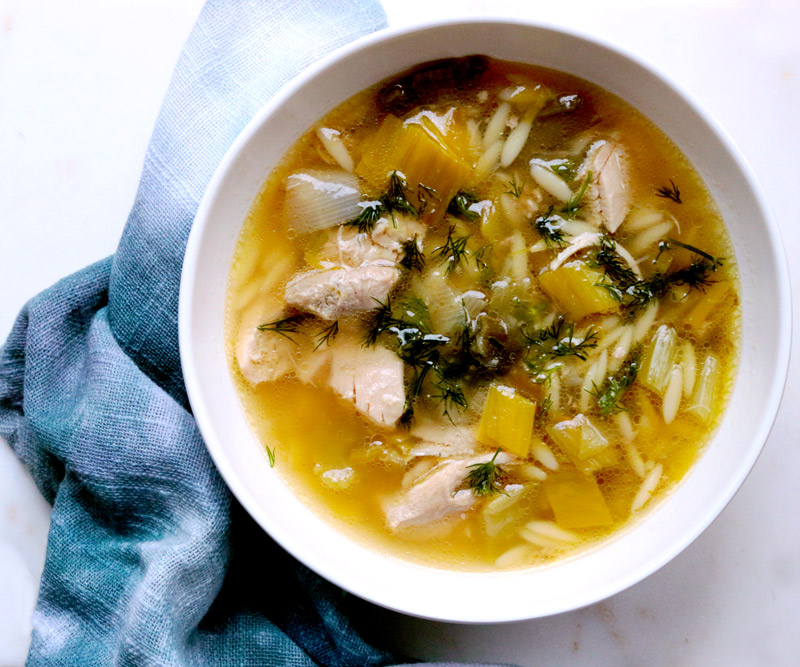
(458, 596)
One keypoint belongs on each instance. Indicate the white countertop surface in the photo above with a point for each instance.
(82, 82)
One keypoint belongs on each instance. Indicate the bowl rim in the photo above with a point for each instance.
(195, 393)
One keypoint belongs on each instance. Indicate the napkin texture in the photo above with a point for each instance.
(149, 560)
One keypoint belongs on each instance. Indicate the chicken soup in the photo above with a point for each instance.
(483, 315)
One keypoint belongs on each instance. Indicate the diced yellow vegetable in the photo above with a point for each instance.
(576, 501)
(504, 510)
(658, 360)
(586, 447)
(428, 149)
(575, 287)
(507, 421)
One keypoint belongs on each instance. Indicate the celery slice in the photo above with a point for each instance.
(507, 421)
(658, 360)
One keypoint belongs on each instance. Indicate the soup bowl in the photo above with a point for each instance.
(463, 596)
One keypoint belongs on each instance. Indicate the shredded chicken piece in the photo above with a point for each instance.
(370, 377)
(436, 495)
(609, 193)
(331, 293)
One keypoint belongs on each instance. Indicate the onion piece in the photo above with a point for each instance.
(318, 199)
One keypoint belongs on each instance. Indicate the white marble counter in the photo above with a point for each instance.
(81, 85)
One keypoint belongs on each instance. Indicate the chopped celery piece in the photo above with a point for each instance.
(576, 501)
(658, 360)
(576, 287)
(586, 447)
(705, 390)
(504, 510)
(507, 421)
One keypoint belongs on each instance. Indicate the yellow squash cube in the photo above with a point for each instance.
(575, 287)
(507, 421)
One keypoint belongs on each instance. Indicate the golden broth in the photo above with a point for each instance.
(347, 467)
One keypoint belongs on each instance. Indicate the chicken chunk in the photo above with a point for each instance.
(263, 356)
(609, 194)
(435, 495)
(442, 440)
(382, 247)
(370, 377)
(331, 293)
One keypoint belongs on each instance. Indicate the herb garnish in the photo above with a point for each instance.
(371, 212)
(327, 335)
(610, 391)
(270, 455)
(558, 340)
(450, 395)
(574, 203)
(483, 479)
(284, 326)
(564, 167)
(663, 246)
(459, 206)
(423, 194)
(396, 199)
(622, 284)
(453, 251)
(549, 228)
(478, 256)
(411, 337)
(670, 192)
(515, 188)
(609, 259)
(380, 320)
(413, 258)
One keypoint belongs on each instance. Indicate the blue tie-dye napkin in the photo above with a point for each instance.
(149, 560)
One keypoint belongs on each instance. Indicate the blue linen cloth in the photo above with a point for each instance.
(149, 560)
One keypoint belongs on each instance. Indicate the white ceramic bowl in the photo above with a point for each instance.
(462, 596)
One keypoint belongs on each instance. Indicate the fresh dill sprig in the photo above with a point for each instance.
(415, 312)
(396, 199)
(327, 335)
(478, 256)
(380, 319)
(424, 194)
(413, 258)
(284, 326)
(574, 203)
(564, 167)
(451, 396)
(569, 345)
(670, 191)
(609, 394)
(459, 206)
(270, 455)
(558, 339)
(515, 189)
(483, 478)
(694, 276)
(549, 228)
(612, 263)
(453, 251)
(371, 212)
(666, 245)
